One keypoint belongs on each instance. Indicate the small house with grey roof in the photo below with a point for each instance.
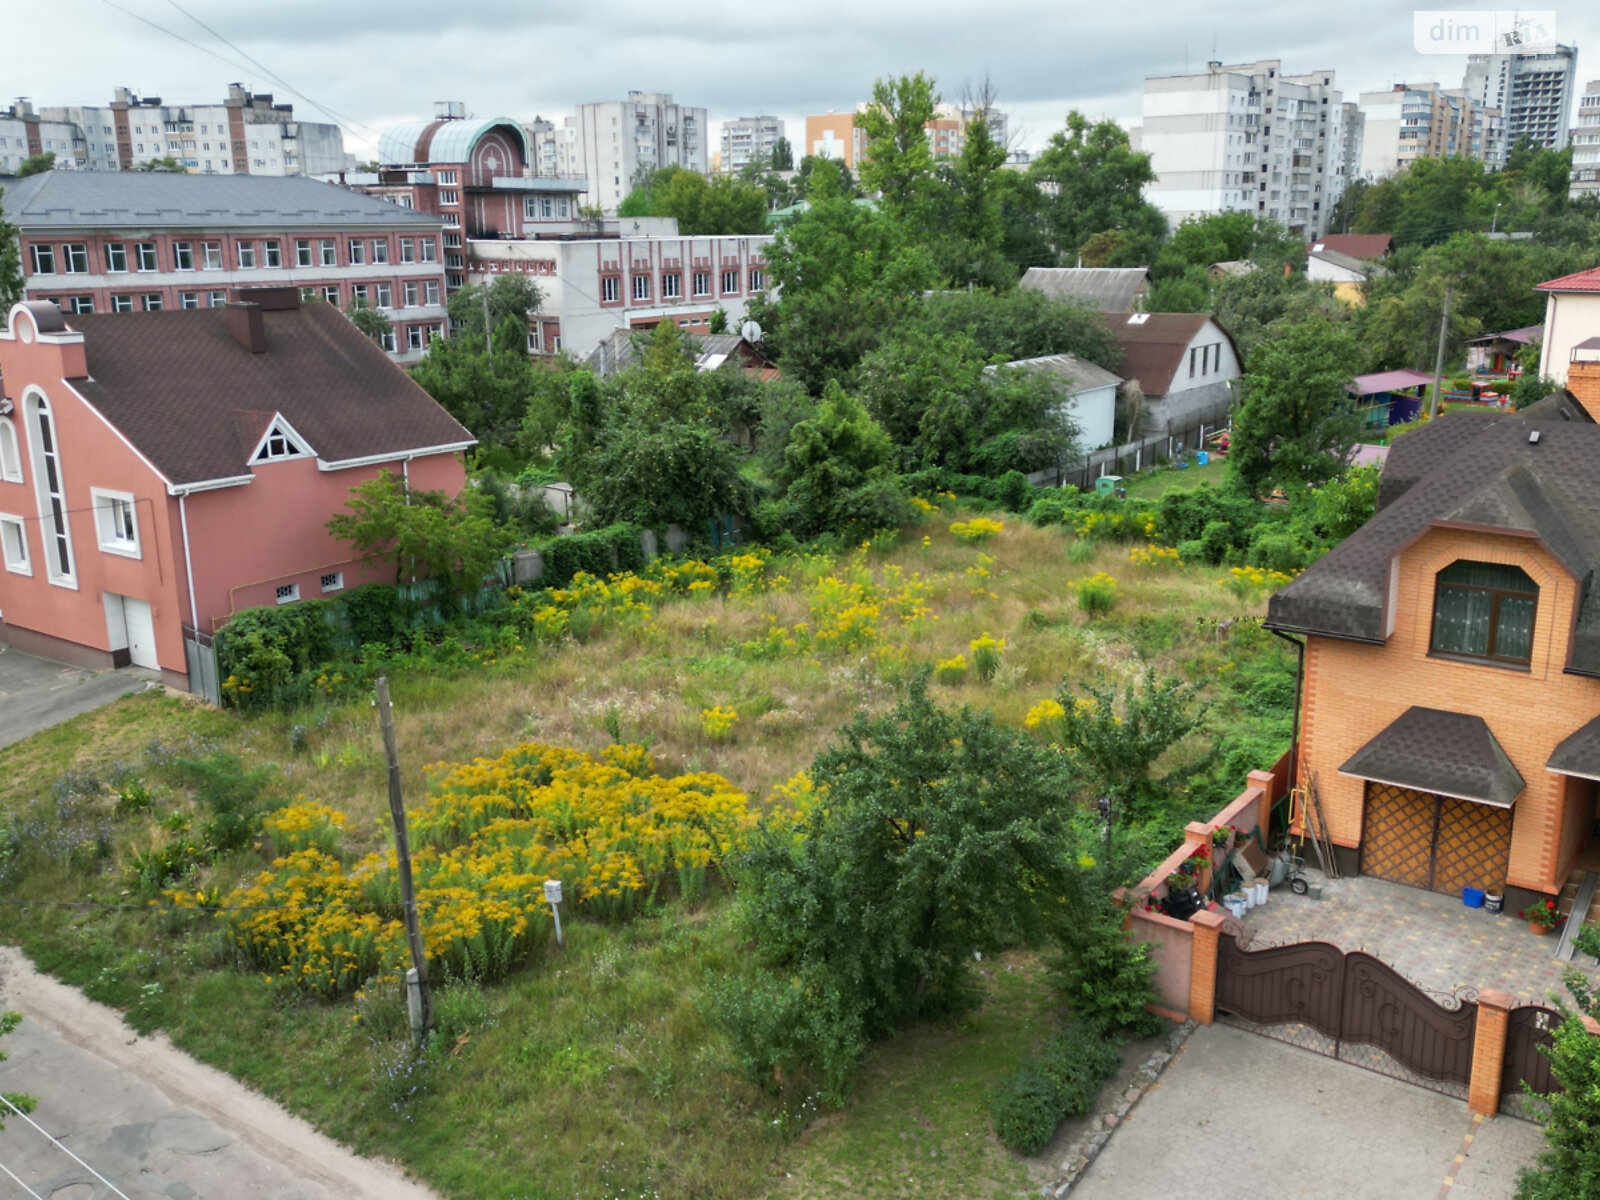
(1450, 680)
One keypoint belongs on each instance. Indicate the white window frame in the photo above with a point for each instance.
(211, 256)
(216, 299)
(330, 293)
(280, 443)
(380, 250)
(188, 299)
(414, 338)
(430, 291)
(409, 292)
(246, 253)
(328, 252)
(383, 295)
(641, 289)
(10, 452)
(610, 289)
(272, 253)
(42, 254)
(701, 282)
(153, 302)
(50, 490)
(302, 253)
(730, 273)
(76, 256)
(449, 196)
(671, 286)
(408, 250)
(183, 256)
(358, 252)
(116, 258)
(430, 250)
(331, 581)
(286, 593)
(146, 257)
(14, 535)
(122, 303)
(114, 514)
(386, 340)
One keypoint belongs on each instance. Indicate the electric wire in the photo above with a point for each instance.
(7, 1101)
(19, 1182)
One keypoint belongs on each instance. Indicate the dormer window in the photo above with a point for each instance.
(281, 442)
(1485, 610)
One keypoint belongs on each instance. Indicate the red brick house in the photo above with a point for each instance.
(1450, 709)
(161, 471)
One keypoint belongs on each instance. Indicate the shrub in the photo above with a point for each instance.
(1097, 595)
(1104, 973)
(976, 531)
(1054, 507)
(1216, 539)
(717, 723)
(1013, 490)
(1059, 1082)
(1280, 552)
(1080, 552)
(951, 671)
(986, 652)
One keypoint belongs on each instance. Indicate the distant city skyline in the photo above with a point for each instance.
(503, 58)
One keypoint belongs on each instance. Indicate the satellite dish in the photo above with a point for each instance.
(750, 331)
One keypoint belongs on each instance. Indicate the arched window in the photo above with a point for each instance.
(10, 455)
(1485, 610)
(51, 492)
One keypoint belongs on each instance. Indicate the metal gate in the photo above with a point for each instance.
(1529, 1029)
(1349, 1006)
(200, 656)
(1433, 842)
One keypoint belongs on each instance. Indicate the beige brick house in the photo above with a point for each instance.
(1450, 695)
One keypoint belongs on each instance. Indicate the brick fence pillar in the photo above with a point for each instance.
(1203, 967)
(1197, 835)
(1489, 1052)
(1265, 781)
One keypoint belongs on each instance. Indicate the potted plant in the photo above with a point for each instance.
(1541, 918)
(1494, 898)
(1222, 843)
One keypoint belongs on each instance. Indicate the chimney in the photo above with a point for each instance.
(247, 327)
(1583, 381)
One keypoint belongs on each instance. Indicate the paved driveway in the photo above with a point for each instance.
(1237, 1114)
(36, 694)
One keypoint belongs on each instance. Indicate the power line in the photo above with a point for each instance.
(19, 1182)
(7, 1101)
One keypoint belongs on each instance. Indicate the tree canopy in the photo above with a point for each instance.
(720, 205)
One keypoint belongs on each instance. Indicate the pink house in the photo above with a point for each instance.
(161, 471)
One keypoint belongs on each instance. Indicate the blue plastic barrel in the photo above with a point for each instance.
(1472, 897)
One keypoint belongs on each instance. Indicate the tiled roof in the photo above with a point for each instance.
(1079, 375)
(1356, 245)
(1581, 281)
(1579, 752)
(1464, 469)
(194, 401)
(1153, 345)
(1110, 289)
(1446, 753)
(170, 200)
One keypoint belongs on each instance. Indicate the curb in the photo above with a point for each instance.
(1114, 1114)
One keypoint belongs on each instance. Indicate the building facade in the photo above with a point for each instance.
(1535, 90)
(1424, 120)
(838, 135)
(96, 242)
(594, 286)
(162, 472)
(244, 134)
(617, 140)
(749, 140)
(1245, 138)
(1586, 143)
(1571, 322)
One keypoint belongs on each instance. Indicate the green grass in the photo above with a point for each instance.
(594, 1072)
(1155, 484)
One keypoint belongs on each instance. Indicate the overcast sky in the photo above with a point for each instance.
(375, 63)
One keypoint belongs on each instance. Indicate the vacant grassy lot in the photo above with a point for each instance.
(1153, 485)
(593, 1072)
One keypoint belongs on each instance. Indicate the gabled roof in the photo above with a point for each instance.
(1110, 289)
(1347, 262)
(1446, 753)
(1356, 245)
(1154, 344)
(1524, 336)
(196, 402)
(171, 200)
(1477, 470)
(1580, 281)
(1387, 381)
(1078, 374)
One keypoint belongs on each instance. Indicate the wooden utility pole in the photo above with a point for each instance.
(1438, 361)
(408, 894)
(488, 333)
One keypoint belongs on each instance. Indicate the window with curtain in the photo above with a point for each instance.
(1484, 610)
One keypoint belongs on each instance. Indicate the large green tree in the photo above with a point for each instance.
(896, 160)
(1569, 1165)
(1296, 424)
(1092, 181)
(512, 297)
(503, 397)
(837, 472)
(701, 206)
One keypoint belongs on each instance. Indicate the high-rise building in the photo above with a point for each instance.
(1586, 143)
(749, 140)
(839, 136)
(617, 140)
(554, 148)
(245, 134)
(1533, 88)
(1245, 138)
(1423, 120)
(1352, 142)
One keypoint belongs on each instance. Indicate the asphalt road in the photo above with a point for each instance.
(36, 694)
(1238, 1114)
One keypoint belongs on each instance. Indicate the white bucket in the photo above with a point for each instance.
(1236, 903)
(1260, 891)
(1247, 889)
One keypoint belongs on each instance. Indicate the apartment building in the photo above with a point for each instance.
(593, 286)
(1245, 138)
(619, 139)
(553, 149)
(1352, 142)
(839, 136)
(244, 134)
(1586, 143)
(1423, 120)
(103, 242)
(1533, 88)
(747, 140)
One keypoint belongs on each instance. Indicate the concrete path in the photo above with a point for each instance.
(1255, 1117)
(151, 1120)
(36, 693)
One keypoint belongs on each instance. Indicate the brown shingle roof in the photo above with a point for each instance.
(1447, 753)
(195, 402)
(1579, 752)
(1356, 245)
(1466, 469)
(1153, 345)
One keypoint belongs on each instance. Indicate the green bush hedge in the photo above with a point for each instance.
(1057, 1083)
(599, 553)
